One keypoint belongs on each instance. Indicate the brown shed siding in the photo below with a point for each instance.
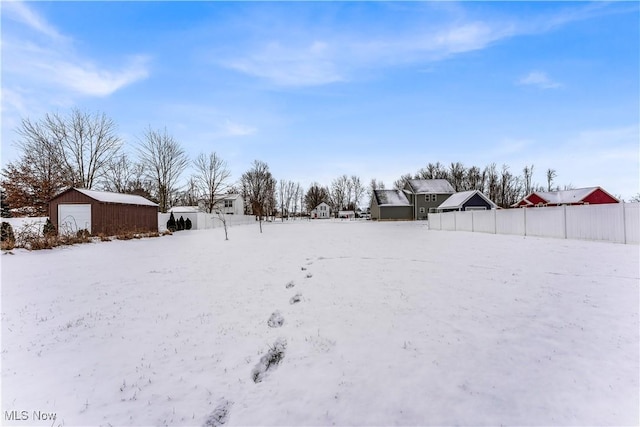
(114, 218)
(108, 218)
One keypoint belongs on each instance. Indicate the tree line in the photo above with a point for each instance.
(500, 185)
(83, 150)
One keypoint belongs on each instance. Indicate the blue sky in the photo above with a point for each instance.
(321, 89)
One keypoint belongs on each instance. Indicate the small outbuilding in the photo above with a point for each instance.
(472, 200)
(102, 212)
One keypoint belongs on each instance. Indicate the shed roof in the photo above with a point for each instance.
(391, 198)
(431, 186)
(109, 197)
(184, 209)
(566, 196)
(455, 201)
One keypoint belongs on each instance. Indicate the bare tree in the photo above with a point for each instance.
(474, 179)
(374, 185)
(164, 160)
(315, 195)
(211, 177)
(39, 174)
(492, 181)
(358, 190)
(189, 196)
(433, 171)
(527, 173)
(399, 183)
(220, 214)
(340, 189)
(258, 186)
(551, 174)
(296, 197)
(456, 175)
(126, 176)
(88, 143)
(286, 195)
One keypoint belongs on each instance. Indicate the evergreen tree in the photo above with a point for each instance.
(187, 224)
(7, 232)
(171, 224)
(4, 205)
(181, 223)
(48, 229)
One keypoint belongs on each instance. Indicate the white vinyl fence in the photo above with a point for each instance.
(616, 222)
(201, 220)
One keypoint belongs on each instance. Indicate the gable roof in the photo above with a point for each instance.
(233, 196)
(321, 203)
(565, 196)
(391, 198)
(109, 197)
(420, 186)
(456, 200)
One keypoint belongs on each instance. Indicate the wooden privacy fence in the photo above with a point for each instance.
(617, 222)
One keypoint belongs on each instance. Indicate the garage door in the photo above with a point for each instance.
(72, 218)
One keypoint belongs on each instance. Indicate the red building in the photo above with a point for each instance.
(102, 212)
(578, 196)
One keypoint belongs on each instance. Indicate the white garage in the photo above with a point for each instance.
(74, 217)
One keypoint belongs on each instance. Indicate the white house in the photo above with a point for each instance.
(231, 204)
(321, 211)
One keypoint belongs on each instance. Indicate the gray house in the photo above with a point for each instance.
(425, 195)
(467, 201)
(390, 205)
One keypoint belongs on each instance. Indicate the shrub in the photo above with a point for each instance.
(171, 224)
(49, 229)
(187, 224)
(8, 238)
(181, 223)
(104, 238)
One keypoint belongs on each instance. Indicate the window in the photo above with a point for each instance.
(430, 198)
(228, 203)
(421, 210)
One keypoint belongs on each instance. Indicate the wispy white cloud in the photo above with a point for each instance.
(328, 57)
(311, 64)
(51, 63)
(539, 79)
(339, 58)
(20, 12)
(231, 128)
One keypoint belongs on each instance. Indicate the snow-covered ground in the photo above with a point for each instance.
(371, 323)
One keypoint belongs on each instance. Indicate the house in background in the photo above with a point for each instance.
(578, 196)
(390, 205)
(425, 195)
(466, 201)
(347, 214)
(322, 211)
(231, 204)
(102, 212)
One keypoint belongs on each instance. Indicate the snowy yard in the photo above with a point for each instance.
(345, 323)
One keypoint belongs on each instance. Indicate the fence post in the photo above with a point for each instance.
(624, 224)
(495, 221)
(564, 211)
(472, 229)
(525, 220)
